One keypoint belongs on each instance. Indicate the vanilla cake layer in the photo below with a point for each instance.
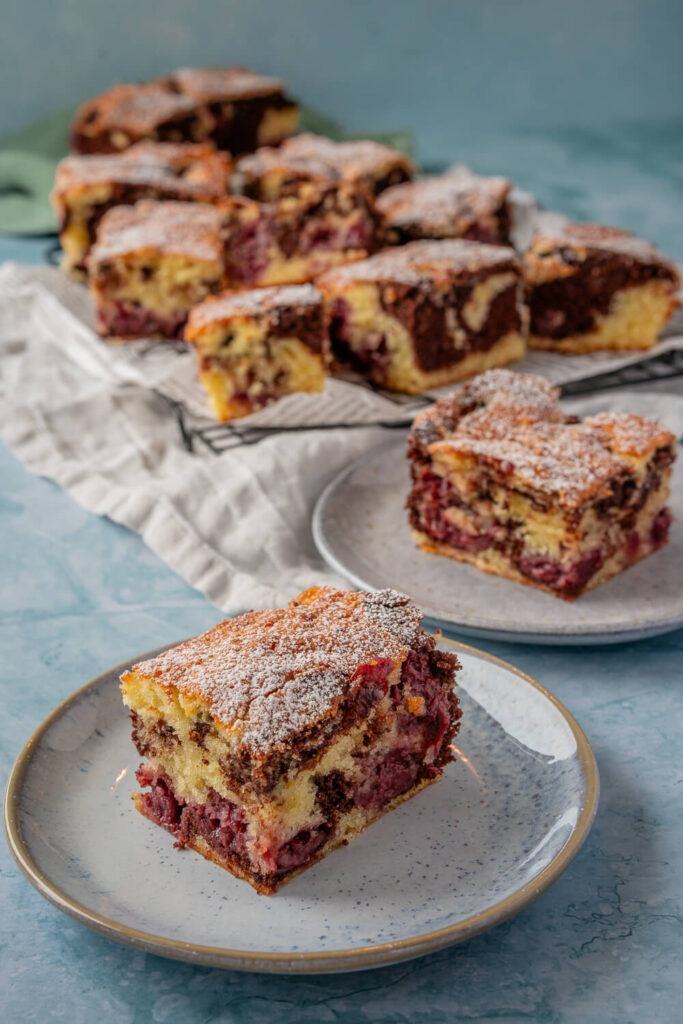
(504, 480)
(635, 317)
(256, 346)
(427, 313)
(591, 287)
(278, 736)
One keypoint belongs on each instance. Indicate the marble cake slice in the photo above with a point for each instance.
(503, 479)
(278, 736)
(428, 313)
(256, 346)
(592, 287)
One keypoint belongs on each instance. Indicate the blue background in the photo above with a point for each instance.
(453, 70)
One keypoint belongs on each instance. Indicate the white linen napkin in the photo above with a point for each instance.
(232, 518)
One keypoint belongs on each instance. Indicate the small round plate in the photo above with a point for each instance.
(360, 526)
(505, 821)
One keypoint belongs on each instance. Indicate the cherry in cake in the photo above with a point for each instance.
(256, 346)
(427, 313)
(278, 736)
(503, 479)
(296, 237)
(592, 287)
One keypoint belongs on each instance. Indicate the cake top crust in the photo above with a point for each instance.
(192, 229)
(266, 676)
(208, 84)
(137, 109)
(514, 424)
(257, 302)
(449, 203)
(558, 248)
(424, 263)
(319, 156)
(187, 168)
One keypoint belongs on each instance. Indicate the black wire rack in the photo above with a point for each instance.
(661, 366)
(196, 432)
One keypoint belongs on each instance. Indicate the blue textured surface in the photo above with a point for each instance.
(603, 944)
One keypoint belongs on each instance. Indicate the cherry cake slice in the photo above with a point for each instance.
(280, 735)
(504, 479)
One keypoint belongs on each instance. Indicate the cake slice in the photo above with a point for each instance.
(504, 479)
(245, 109)
(427, 313)
(593, 287)
(235, 108)
(125, 114)
(151, 263)
(87, 186)
(296, 237)
(448, 206)
(256, 346)
(271, 172)
(278, 736)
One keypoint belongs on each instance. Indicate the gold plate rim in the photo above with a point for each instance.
(318, 962)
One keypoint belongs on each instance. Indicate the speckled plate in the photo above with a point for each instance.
(507, 819)
(361, 528)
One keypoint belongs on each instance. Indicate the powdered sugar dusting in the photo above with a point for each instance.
(513, 423)
(628, 434)
(323, 157)
(421, 263)
(268, 675)
(135, 108)
(394, 612)
(447, 203)
(193, 229)
(594, 238)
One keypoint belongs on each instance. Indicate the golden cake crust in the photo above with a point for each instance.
(318, 156)
(546, 259)
(265, 676)
(188, 168)
(447, 205)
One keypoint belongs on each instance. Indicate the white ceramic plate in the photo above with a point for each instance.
(361, 528)
(506, 820)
